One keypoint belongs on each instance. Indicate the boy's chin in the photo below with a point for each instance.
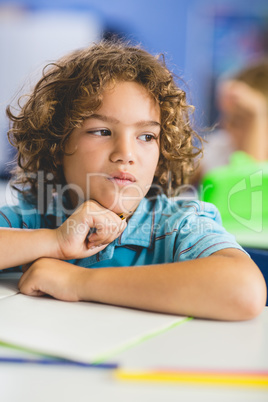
(125, 208)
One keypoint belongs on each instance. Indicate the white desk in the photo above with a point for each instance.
(197, 344)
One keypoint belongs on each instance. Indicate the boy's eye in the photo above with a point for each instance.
(102, 132)
(147, 137)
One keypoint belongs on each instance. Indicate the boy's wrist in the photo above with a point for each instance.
(84, 284)
(49, 243)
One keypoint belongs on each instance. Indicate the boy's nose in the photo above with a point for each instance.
(123, 151)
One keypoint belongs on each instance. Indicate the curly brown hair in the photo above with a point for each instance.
(70, 90)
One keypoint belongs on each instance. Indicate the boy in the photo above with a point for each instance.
(243, 105)
(103, 128)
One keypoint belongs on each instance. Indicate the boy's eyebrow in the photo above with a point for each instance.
(110, 119)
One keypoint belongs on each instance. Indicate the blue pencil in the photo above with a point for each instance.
(57, 362)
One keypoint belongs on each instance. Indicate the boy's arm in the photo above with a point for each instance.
(227, 285)
(21, 246)
(245, 110)
(69, 241)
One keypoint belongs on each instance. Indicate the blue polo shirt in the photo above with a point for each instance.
(160, 231)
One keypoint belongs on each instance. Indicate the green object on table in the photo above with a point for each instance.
(240, 192)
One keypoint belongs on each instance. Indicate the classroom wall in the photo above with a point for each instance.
(198, 38)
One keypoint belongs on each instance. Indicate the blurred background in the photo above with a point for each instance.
(201, 41)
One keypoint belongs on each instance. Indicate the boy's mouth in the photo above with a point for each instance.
(122, 178)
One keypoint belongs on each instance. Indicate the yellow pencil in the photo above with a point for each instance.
(122, 215)
(226, 379)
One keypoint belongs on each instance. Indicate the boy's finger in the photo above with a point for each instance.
(110, 230)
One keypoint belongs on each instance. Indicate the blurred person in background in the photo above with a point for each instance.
(243, 106)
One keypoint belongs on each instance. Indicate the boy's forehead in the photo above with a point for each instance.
(113, 120)
(131, 100)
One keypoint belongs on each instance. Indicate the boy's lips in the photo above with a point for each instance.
(122, 178)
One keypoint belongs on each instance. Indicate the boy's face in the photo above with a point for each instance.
(115, 153)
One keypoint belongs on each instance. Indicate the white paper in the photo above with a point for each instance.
(82, 331)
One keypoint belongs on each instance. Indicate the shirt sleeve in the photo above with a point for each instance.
(201, 232)
(20, 216)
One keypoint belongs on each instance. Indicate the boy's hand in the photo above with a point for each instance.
(243, 107)
(53, 277)
(237, 95)
(74, 238)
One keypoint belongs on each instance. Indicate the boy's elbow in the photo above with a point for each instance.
(251, 297)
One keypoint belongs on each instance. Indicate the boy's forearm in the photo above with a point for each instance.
(22, 246)
(255, 143)
(236, 290)
(226, 285)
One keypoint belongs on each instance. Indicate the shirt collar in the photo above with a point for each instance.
(140, 227)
